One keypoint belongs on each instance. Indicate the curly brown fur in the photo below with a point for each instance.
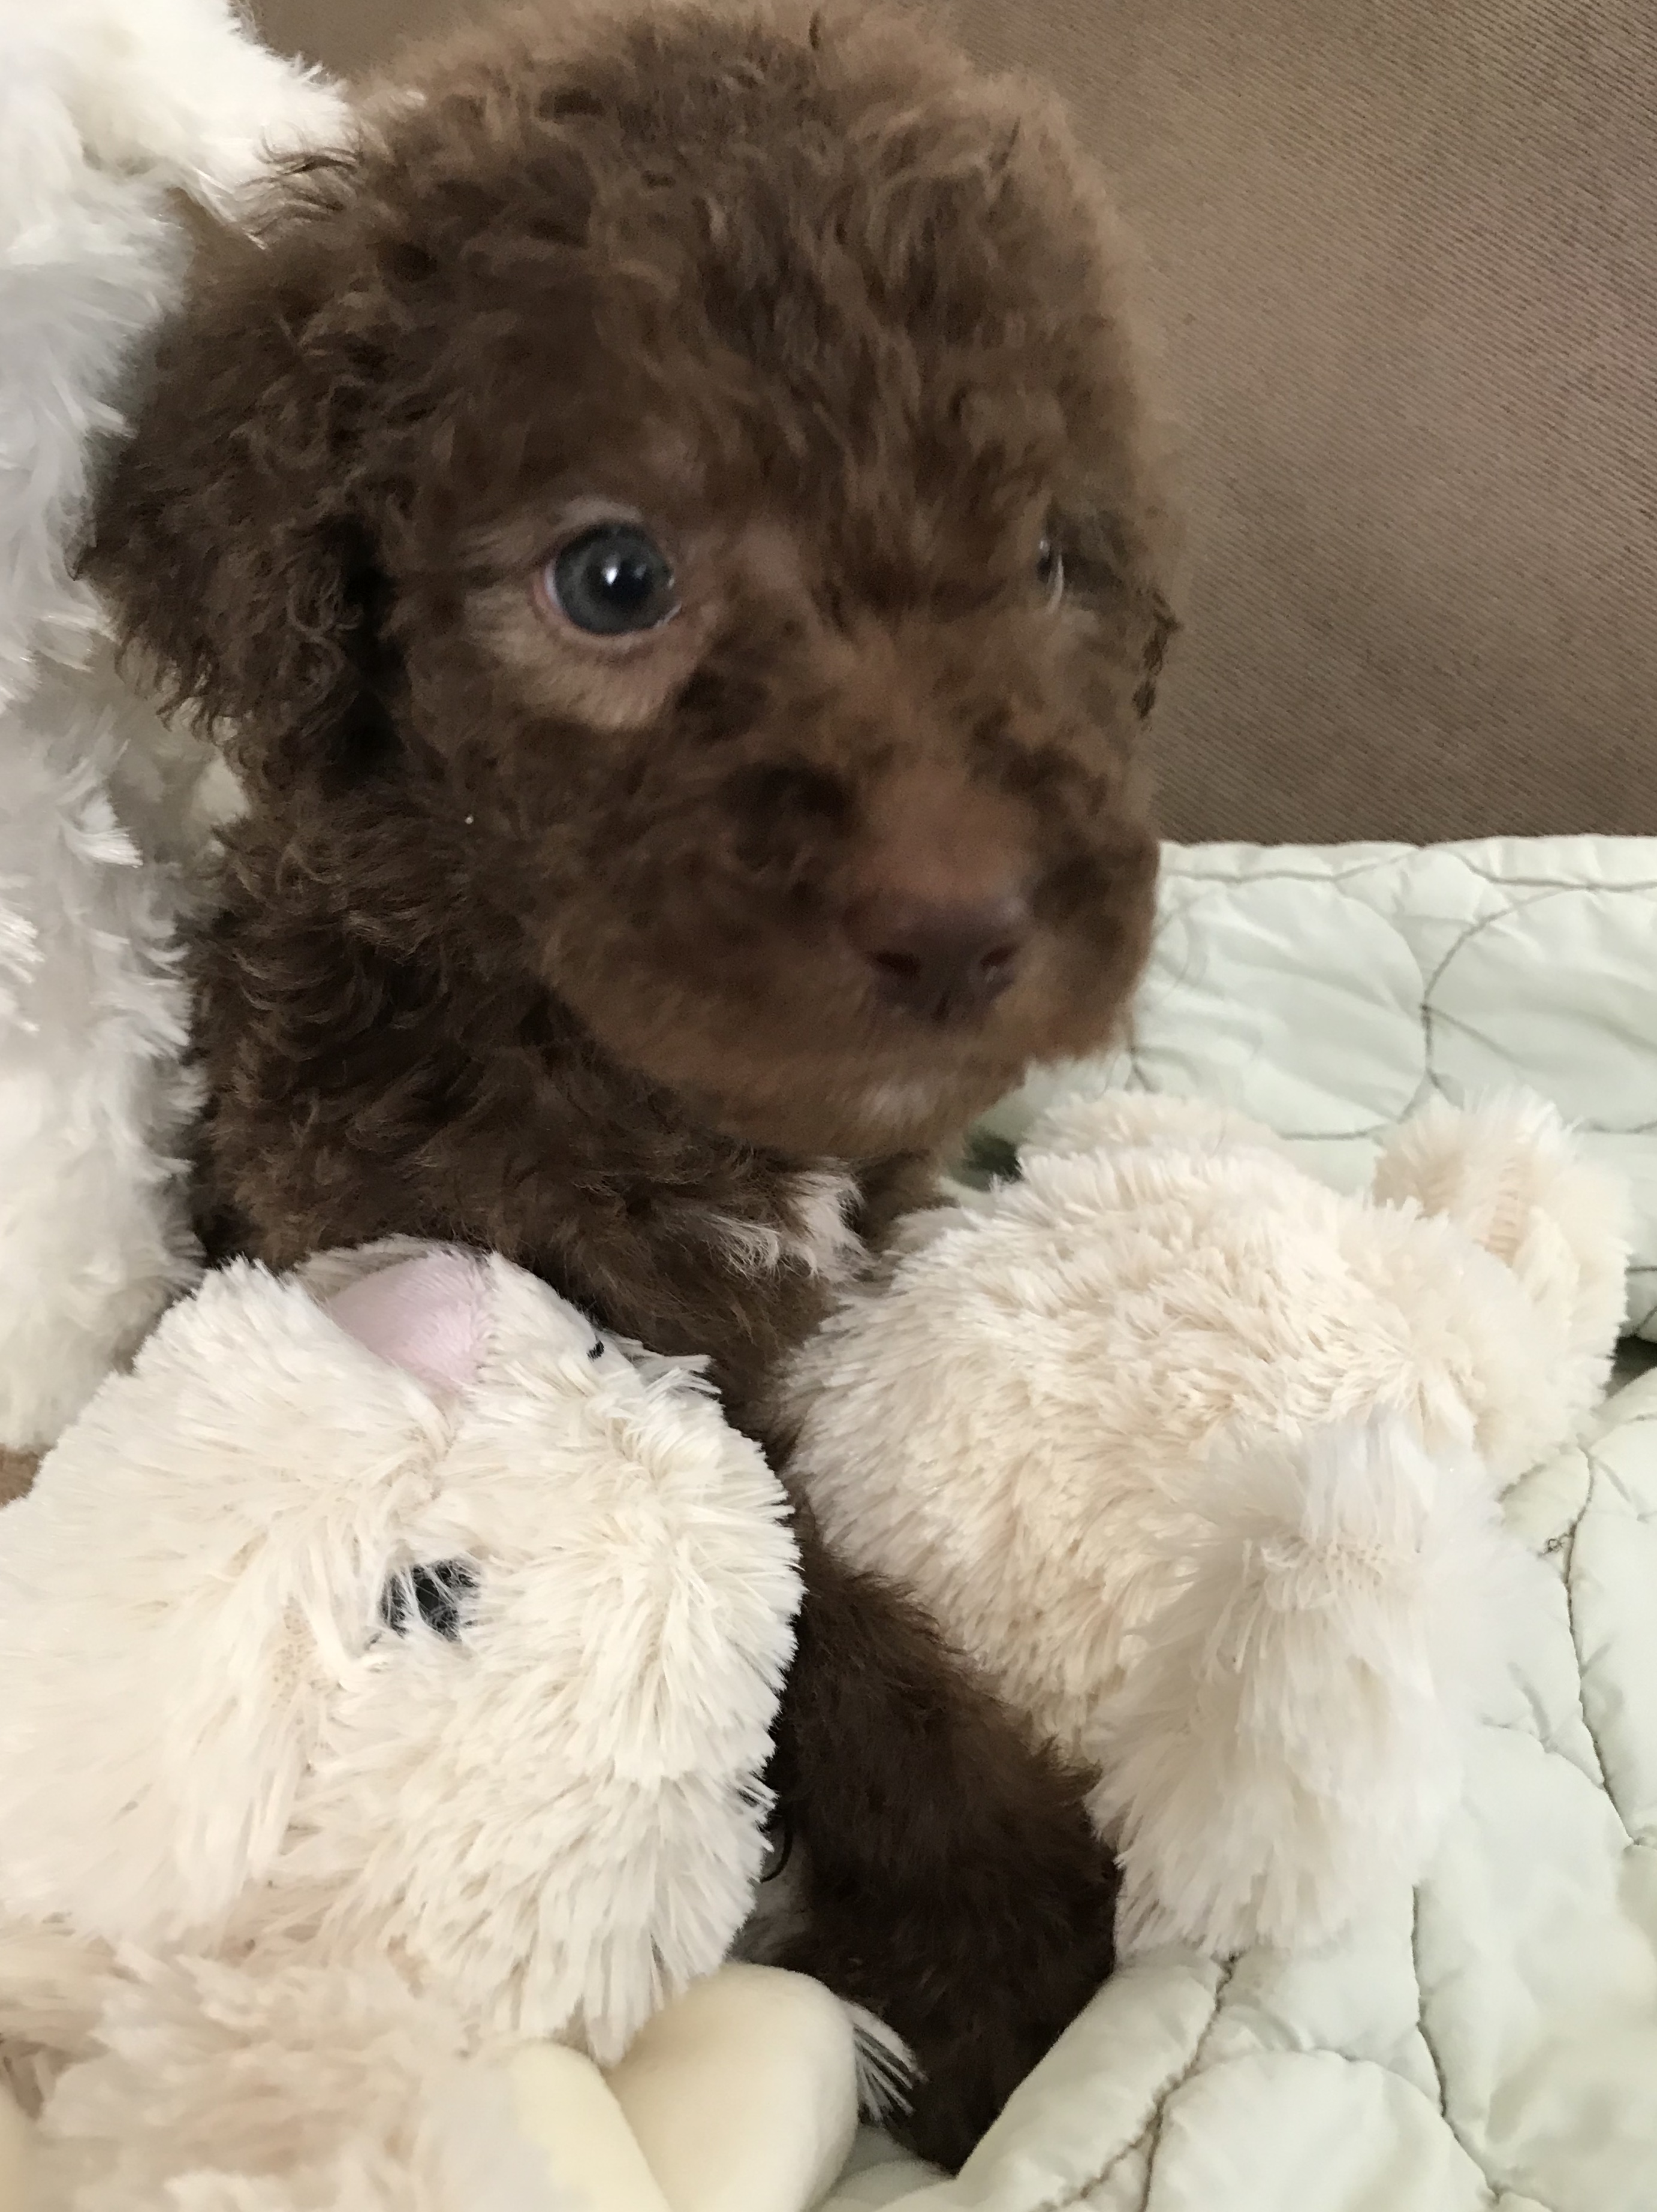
(604, 954)
(948, 1881)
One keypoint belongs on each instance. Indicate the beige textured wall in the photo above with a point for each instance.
(1404, 253)
(352, 35)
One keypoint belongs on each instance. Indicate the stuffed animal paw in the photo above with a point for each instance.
(1201, 1459)
(393, 1659)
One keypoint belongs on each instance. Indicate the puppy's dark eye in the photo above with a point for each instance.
(1050, 570)
(438, 1592)
(612, 580)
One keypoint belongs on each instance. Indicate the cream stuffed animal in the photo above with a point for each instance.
(115, 115)
(1201, 1459)
(390, 1662)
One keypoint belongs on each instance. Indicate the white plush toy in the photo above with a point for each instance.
(1201, 1459)
(114, 114)
(390, 1663)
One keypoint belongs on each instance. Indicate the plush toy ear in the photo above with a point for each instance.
(426, 1314)
(234, 532)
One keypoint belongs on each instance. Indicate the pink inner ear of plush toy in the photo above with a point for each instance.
(424, 1316)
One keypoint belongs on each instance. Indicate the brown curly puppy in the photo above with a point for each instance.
(663, 526)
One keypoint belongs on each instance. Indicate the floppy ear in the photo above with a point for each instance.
(233, 534)
(1117, 557)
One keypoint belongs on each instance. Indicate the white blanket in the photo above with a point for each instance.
(1328, 992)
(1489, 2045)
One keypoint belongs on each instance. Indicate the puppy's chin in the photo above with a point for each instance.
(808, 1077)
(886, 1117)
(788, 1041)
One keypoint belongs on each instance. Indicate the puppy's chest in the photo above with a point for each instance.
(763, 1279)
(756, 1272)
(807, 1224)
(735, 1269)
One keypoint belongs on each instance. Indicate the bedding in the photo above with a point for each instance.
(1328, 992)
(1487, 2044)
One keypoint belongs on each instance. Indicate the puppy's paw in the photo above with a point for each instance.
(1291, 1739)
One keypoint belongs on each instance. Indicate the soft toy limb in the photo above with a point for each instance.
(1291, 1736)
(742, 2094)
(1506, 1175)
(1508, 1171)
(566, 2109)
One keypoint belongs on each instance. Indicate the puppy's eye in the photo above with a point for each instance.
(438, 1592)
(1050, 570)
(612, 581)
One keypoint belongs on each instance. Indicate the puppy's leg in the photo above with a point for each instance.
(953, 1884)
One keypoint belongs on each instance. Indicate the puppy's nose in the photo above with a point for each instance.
(944, 961)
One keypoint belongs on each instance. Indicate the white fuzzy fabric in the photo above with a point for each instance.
(338, 1858)
(1201, 1458)
(107, 108)
(316, 2088)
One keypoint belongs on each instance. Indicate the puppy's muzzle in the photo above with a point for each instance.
(943, 963)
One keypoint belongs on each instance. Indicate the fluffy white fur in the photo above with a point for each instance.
(823, 1241)
(279, 1871)
(1201, 1459)
(107, 108)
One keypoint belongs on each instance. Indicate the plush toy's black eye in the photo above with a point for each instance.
(438, 1592)
(1050, 569)
(612, 580)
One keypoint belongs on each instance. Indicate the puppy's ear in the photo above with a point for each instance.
(234, 533)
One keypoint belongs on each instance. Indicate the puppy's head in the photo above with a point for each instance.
(668, 511)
